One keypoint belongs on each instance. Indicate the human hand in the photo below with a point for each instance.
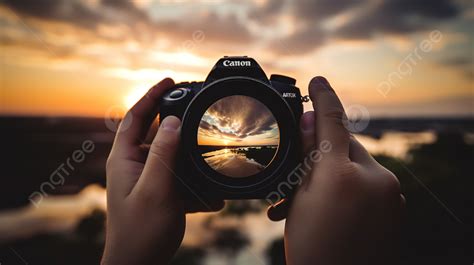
(146, 213)
(347, 209)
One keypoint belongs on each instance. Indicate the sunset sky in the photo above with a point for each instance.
(228, 123)
(82, 58)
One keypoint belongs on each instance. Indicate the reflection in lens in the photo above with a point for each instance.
(238, 136)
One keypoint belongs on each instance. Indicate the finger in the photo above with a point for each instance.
(307, 131)
(198, 206)
(278, 211)
(158, 176)
(139, 118)
(358, 154)
(329, 117)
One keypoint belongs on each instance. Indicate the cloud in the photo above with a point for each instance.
(308, 17)
(57, 10)
(462, 64)
(238, 117)
(267, 13)
(458, 61)
(215, 28)
(397, 17)
(315, 10)
(82, 13)
(114, 12)
(116, 33)
(210, 130)
(371, 17)
(300, 42)
(120, 23)
(303, 10)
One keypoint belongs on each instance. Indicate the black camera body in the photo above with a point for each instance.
(240, 136)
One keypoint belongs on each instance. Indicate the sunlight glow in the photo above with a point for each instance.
(180, 58)
(134, 95)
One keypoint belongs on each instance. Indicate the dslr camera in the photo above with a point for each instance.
(239, 134)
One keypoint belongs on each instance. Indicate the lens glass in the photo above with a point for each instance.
(238, 136)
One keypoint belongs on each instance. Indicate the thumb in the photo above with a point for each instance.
(307, 132)
(158, 175)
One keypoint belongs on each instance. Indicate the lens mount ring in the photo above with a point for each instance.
(263, 93)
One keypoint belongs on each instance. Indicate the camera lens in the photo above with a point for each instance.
(238, 136)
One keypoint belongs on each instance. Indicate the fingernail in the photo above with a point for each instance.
(171, 123)
(307, 121)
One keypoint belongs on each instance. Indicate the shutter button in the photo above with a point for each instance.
(177, 94)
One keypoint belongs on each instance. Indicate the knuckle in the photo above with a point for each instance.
(146, 199)
(381, 184)
(389, 184)
(348, 169)
(343, 178)
(359, 184)
(335, 113)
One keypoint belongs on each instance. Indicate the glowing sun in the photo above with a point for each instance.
(134, 95)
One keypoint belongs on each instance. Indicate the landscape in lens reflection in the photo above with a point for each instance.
(238, 136)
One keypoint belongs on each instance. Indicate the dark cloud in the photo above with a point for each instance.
(315, 10)
(237, 117)
(302, 10)
(462, 64)
(308, 15)
(80, 13)
(215, 28)
(385, 17)
(302, 41)
(127, 10)
(84, 14)
(426, 8)
(227, 32)
(398, 17)
(268, 12)
(458, 61)
(119, 3)
(57, 10)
